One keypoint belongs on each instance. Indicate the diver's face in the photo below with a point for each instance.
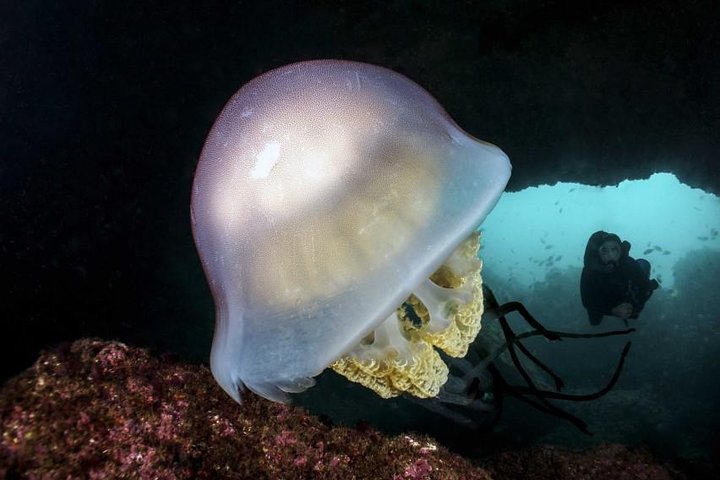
(609, 251)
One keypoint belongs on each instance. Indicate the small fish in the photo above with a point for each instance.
(703, 239)
(548, 247)
(561, 210)
(666, 252)
(658, 248)
(649, 250)
(558, 258)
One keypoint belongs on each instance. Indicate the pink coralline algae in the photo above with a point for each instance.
(99, 410)
(103, 410)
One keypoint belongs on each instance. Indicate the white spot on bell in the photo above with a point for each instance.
(266, 160)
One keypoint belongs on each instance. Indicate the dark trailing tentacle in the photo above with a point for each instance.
(559, 384)
(497, 352)
(498, 311)
(512, 340)
(518, 307)
(503, 388)
(494, 311)
(510, 336)
(551, 409)
(519, 392)
(611, 333)
(522, 390)
(489, 358)
(477, 390)
(541, 403)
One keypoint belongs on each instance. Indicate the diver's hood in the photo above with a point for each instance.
(592, 258)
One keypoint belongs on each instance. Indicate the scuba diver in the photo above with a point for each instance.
(612, 282)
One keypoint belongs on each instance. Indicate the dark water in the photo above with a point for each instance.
(104, 109)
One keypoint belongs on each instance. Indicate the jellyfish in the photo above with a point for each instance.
(334, 209)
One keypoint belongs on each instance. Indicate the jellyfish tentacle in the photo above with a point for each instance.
(521, 390)
(500, 312)
(497, 311)
(509, 334)
(551, 409)
(610, 333)
(559, 383)
(469, 384)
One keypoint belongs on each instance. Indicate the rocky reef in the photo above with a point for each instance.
(96, 409)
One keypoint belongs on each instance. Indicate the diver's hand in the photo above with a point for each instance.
(624, 310)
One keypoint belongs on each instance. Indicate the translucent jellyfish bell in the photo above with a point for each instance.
(326, 194)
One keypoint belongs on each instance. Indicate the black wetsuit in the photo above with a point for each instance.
(605, 286)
